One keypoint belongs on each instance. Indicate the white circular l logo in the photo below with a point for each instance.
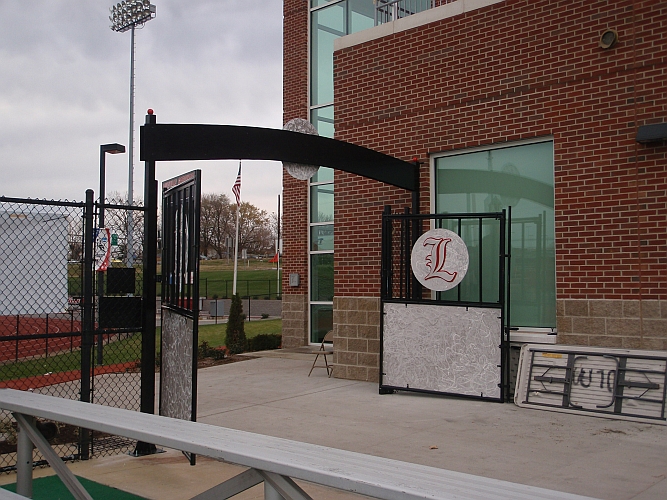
(440, 259)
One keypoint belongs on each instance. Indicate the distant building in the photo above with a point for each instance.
(554, 107)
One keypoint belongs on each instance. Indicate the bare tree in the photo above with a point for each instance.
(218, 226)
(217, 223)
(255, 234)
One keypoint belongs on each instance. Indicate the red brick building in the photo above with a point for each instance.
(481, 86)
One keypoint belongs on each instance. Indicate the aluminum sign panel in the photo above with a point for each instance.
(612, 382)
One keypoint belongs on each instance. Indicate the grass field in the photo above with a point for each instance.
(126, 350)
(256, 278)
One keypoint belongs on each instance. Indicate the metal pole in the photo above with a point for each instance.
(149, 295)
(24, 461)
(130, 179)
(100, 225)
(270, 493)
(87, 327)
(277, 253)
(416, 227)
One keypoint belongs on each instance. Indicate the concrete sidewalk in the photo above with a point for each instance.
(610, 459)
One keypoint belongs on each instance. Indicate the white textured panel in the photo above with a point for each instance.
(33, 263)
(617, 383)
(442, 349)
(176, 366)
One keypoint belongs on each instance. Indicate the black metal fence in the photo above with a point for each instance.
(55, 334)
(254, 289)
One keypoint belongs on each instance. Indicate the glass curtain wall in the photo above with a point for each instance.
(328, 21)
(522, 177)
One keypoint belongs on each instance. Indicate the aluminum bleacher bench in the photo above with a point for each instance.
(8, 495)
(271, 460)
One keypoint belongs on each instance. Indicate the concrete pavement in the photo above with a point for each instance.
(610, 459)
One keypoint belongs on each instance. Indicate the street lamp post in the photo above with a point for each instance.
(104, 149)
(128, 15)
(113, 149)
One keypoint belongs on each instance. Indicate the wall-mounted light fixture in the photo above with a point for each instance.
(609, 38)
(656, 132)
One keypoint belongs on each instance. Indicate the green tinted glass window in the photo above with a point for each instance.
(324, 174)
(322, 238)
(321, 321)
(322, 203)
(488, 181)
(361, 15)
(322, 277)
(327, 24)
(323, 120)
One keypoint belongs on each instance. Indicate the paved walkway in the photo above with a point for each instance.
(610, 459)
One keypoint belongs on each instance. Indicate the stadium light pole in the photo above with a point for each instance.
(126, 16)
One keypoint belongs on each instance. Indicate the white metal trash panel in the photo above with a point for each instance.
(443, 349)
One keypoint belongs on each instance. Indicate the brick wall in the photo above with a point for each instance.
(514, 70)
(295, 192)
(518, 70)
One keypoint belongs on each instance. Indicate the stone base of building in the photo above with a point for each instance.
(357, 338)
(629, 324)
(295, 321)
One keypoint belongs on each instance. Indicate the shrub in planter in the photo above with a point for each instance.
(265, 342)
(206, 351)
(236, 339)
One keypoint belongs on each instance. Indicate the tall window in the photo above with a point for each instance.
(328, 21)
(520, 176)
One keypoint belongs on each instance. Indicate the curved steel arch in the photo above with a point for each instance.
(172, 142)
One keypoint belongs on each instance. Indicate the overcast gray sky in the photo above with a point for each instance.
(64, 90)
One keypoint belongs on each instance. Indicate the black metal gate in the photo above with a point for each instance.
(181, 198)
(59, 328)
(454, 341)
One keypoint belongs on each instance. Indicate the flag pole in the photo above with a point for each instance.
(237, 192)
(278, 250)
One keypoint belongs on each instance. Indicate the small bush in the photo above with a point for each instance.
(265, 342)
(206, 351)
(236, 339)
(265, 315)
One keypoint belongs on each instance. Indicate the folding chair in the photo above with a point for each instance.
(324, 351)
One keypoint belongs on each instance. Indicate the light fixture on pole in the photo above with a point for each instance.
(113, 149)
(128, 15)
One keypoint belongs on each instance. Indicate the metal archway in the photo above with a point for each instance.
(174, 142)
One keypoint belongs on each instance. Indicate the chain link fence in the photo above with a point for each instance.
(46, 344)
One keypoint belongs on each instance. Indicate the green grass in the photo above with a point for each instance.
(215, 334)
(123, 351)
(215, 278)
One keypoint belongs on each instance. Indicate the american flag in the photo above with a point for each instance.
(236, 189)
